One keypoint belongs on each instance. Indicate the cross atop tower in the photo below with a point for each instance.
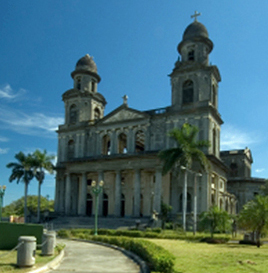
(196, 13)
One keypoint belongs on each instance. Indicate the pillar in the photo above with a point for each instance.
(137, 193)
(82, 201)
(68, 194)
(117, 210)
(158, 190)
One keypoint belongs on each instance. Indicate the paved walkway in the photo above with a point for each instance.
(82, 257)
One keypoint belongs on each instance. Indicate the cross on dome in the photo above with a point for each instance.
(196, 13)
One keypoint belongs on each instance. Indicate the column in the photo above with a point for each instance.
(68, 194)
(101, 177)
(57, 194)
(82, 201)
(157, 190)
(137, 193)
(117, 208)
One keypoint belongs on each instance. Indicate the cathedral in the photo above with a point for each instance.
(121, 148)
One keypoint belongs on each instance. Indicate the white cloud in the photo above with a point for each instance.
(3, 139)
(233, 138)
(30, 124)
(6, 92)
(259, 170)
(3, 151)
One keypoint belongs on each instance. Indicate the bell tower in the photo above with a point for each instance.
(83, 102)
(195, 81)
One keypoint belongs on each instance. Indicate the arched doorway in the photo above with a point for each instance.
(122, 205)
(105, 204)
(89, 204)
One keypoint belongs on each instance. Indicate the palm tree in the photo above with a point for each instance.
(182, 157)
(22, 170)
(42, 163)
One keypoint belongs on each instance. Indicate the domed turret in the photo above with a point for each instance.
(196, 29)
(86, 63)
(86, 66)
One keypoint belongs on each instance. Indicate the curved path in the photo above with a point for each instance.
(82, 257)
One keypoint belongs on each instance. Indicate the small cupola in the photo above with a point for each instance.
(85, 75)
(195, 45)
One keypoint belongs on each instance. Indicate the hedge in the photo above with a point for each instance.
(10, 233)
(157, 258)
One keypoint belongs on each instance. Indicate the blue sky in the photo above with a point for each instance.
(134, 46)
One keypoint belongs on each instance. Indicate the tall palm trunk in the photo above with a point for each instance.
(25, 201)
(38, 203)
(184, 201)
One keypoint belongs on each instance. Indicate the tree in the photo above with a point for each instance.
(187, 151)
(22, 171)
(254, 216)
(16, 207)
(41, 163)
(215, 219)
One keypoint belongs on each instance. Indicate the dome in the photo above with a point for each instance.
(196, 29)
(86, 63)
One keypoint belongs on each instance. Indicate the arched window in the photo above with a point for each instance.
(191, 55)
(122, 205)
(71, 149)
(233, 170)
(139, 141)
(89, 204)
(122, 143)
(73, 114)
(106, 145)
(189, 203)
(105, 204)
(227, 205)
(213, 199)
(221, 204)
(96, 113)
(214, 100)
(188, 92)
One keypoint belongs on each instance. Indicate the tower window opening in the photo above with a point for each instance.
(191, 55)
(78, 83)
(73, 114)
(188, 92)
(214, 141)
(139, 141)
(122, 143)
(214, 95)
(71, 149)
(96, 113)
(93, 84)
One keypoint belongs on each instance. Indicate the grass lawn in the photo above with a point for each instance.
(193, 257)
(9, 261)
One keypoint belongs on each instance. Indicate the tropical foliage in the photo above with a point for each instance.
(215, 219)
(188, 149)
(254, 216)
(16, 207)
(22, 171)
(41, 163)
(26, 168)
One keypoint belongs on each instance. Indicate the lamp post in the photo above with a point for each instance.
(2, 193)
(96, 189)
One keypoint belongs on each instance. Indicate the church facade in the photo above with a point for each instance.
(122, 147)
